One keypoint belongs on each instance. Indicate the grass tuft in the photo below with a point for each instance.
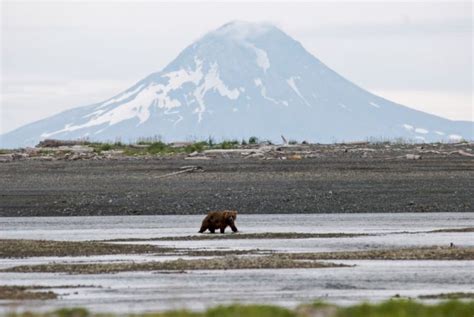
(408, 308)
(391, 308)
(249, 311)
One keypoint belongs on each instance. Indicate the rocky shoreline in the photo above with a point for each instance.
(79, 180)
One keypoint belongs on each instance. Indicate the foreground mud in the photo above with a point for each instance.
(25, 293)
(422, 253)
(303, 179)
(11, 248)
(30, 248)
(221, 263)
(222, 259)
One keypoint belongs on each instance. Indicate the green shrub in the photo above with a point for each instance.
(253, 140)
(226, 145)
(105, 147)
(129, 151)
(196, 147)
(158, 147)
(72, 312)
(211, 142)
(46, 152)
(149, 140)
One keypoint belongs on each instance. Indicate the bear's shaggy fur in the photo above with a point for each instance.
(219, 220)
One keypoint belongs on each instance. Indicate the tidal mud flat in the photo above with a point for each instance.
(270, 179)
(134, 265)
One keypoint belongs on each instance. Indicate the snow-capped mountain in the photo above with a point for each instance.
(238, 81)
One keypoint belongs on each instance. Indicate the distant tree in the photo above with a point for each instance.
(253, 140)
(210, 141)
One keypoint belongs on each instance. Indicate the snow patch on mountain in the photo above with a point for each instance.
(343, 106)
(244, 33)
(212, 81)
(177, 78)
(120, 97)
(374, 104)
(455, 137)
(408, 127)
(263, 91)
(156, 95)
(180, 118)
(262, 58)
(292, 84)
(137, 107)
(421, 130)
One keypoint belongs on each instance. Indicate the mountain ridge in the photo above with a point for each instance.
(240, 80)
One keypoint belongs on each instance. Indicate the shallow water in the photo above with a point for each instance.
(151, 291)
(146, 291)
(328, 244)
(114, 227)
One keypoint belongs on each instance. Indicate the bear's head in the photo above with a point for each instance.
(230, 215)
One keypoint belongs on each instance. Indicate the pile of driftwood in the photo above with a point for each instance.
(52, 143)
(50, 150)
(358, 149)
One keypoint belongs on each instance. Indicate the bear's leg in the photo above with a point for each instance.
(212, 230)
(233, 227)
(223, 229)
(203, 228)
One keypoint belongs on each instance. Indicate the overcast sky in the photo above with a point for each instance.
(62, 54)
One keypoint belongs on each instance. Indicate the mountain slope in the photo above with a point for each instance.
(238, 81)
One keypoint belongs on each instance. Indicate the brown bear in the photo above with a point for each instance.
(219, 220)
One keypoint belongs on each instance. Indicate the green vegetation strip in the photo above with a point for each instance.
(392, 308)
(31, 248)
(155, 146)
(221, 263)
(421, 253)
(242, 236)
